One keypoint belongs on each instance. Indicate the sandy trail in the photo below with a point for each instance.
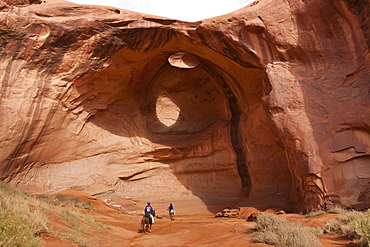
(188, 229)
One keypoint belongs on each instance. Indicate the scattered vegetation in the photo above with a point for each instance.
(353, 225)
(249, 231)
(316, 213)
(337, 210)
(15, 230)
(24, 218)
(274, 230)
(66, 201)
(74, 237)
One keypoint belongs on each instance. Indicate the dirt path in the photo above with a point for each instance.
(186, 230)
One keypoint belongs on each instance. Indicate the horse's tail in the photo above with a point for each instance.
(142, 223)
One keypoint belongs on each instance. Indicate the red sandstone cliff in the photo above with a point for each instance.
(270, 101)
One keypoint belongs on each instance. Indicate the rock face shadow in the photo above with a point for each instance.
(193, 122)
(266, 102)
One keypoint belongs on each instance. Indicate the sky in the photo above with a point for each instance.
(185, 10)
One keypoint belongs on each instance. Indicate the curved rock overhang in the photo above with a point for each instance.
(131, 102)
(270, 102)
(186, 93)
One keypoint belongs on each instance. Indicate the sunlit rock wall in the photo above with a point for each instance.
(270, 101)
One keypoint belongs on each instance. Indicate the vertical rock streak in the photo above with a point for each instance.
(235, 133)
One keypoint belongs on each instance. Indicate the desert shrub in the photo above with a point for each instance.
(273, 230)
(315, 213)
(109, 227)
(66, 201)
(20, 218)
(362, 228)
(23, 217)
(74, 237)
(98, 226)
(32, 209)
(337, 210)
(352, 225)
(338, 226)
(78, 220)
(318, 232)
(15, 230)
(354, 215)
(69, 216)
(249, 231)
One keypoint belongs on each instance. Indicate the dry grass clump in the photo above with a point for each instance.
(274, 230)
(66, 201)
(74, 237)
(24, 218)
(315, 213)
(16, 230)
(353, 225)
(337, 210)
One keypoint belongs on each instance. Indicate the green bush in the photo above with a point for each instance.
(273, 230)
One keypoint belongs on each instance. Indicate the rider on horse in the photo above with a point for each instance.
(148, 210)
(171, 211)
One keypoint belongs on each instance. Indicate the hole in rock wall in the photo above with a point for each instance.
(200, 120)
(190, 108)
(183, 60)
(167, 111)
(183, 103)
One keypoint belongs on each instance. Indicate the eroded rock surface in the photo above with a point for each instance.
(270, 101)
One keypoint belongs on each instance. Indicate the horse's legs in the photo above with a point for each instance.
(148, 227)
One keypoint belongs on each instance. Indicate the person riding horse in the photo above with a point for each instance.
(148, 218)
(171, 211)
(148, 210)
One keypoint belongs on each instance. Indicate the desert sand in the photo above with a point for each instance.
(188, 229)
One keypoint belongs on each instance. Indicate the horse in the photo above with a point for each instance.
(172, 214)
(146, 223)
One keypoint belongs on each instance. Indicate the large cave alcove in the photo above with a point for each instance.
(166, 117)
(201, 114)
(252, 105)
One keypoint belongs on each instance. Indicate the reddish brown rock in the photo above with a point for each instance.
(249, 213)
(269, 102)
